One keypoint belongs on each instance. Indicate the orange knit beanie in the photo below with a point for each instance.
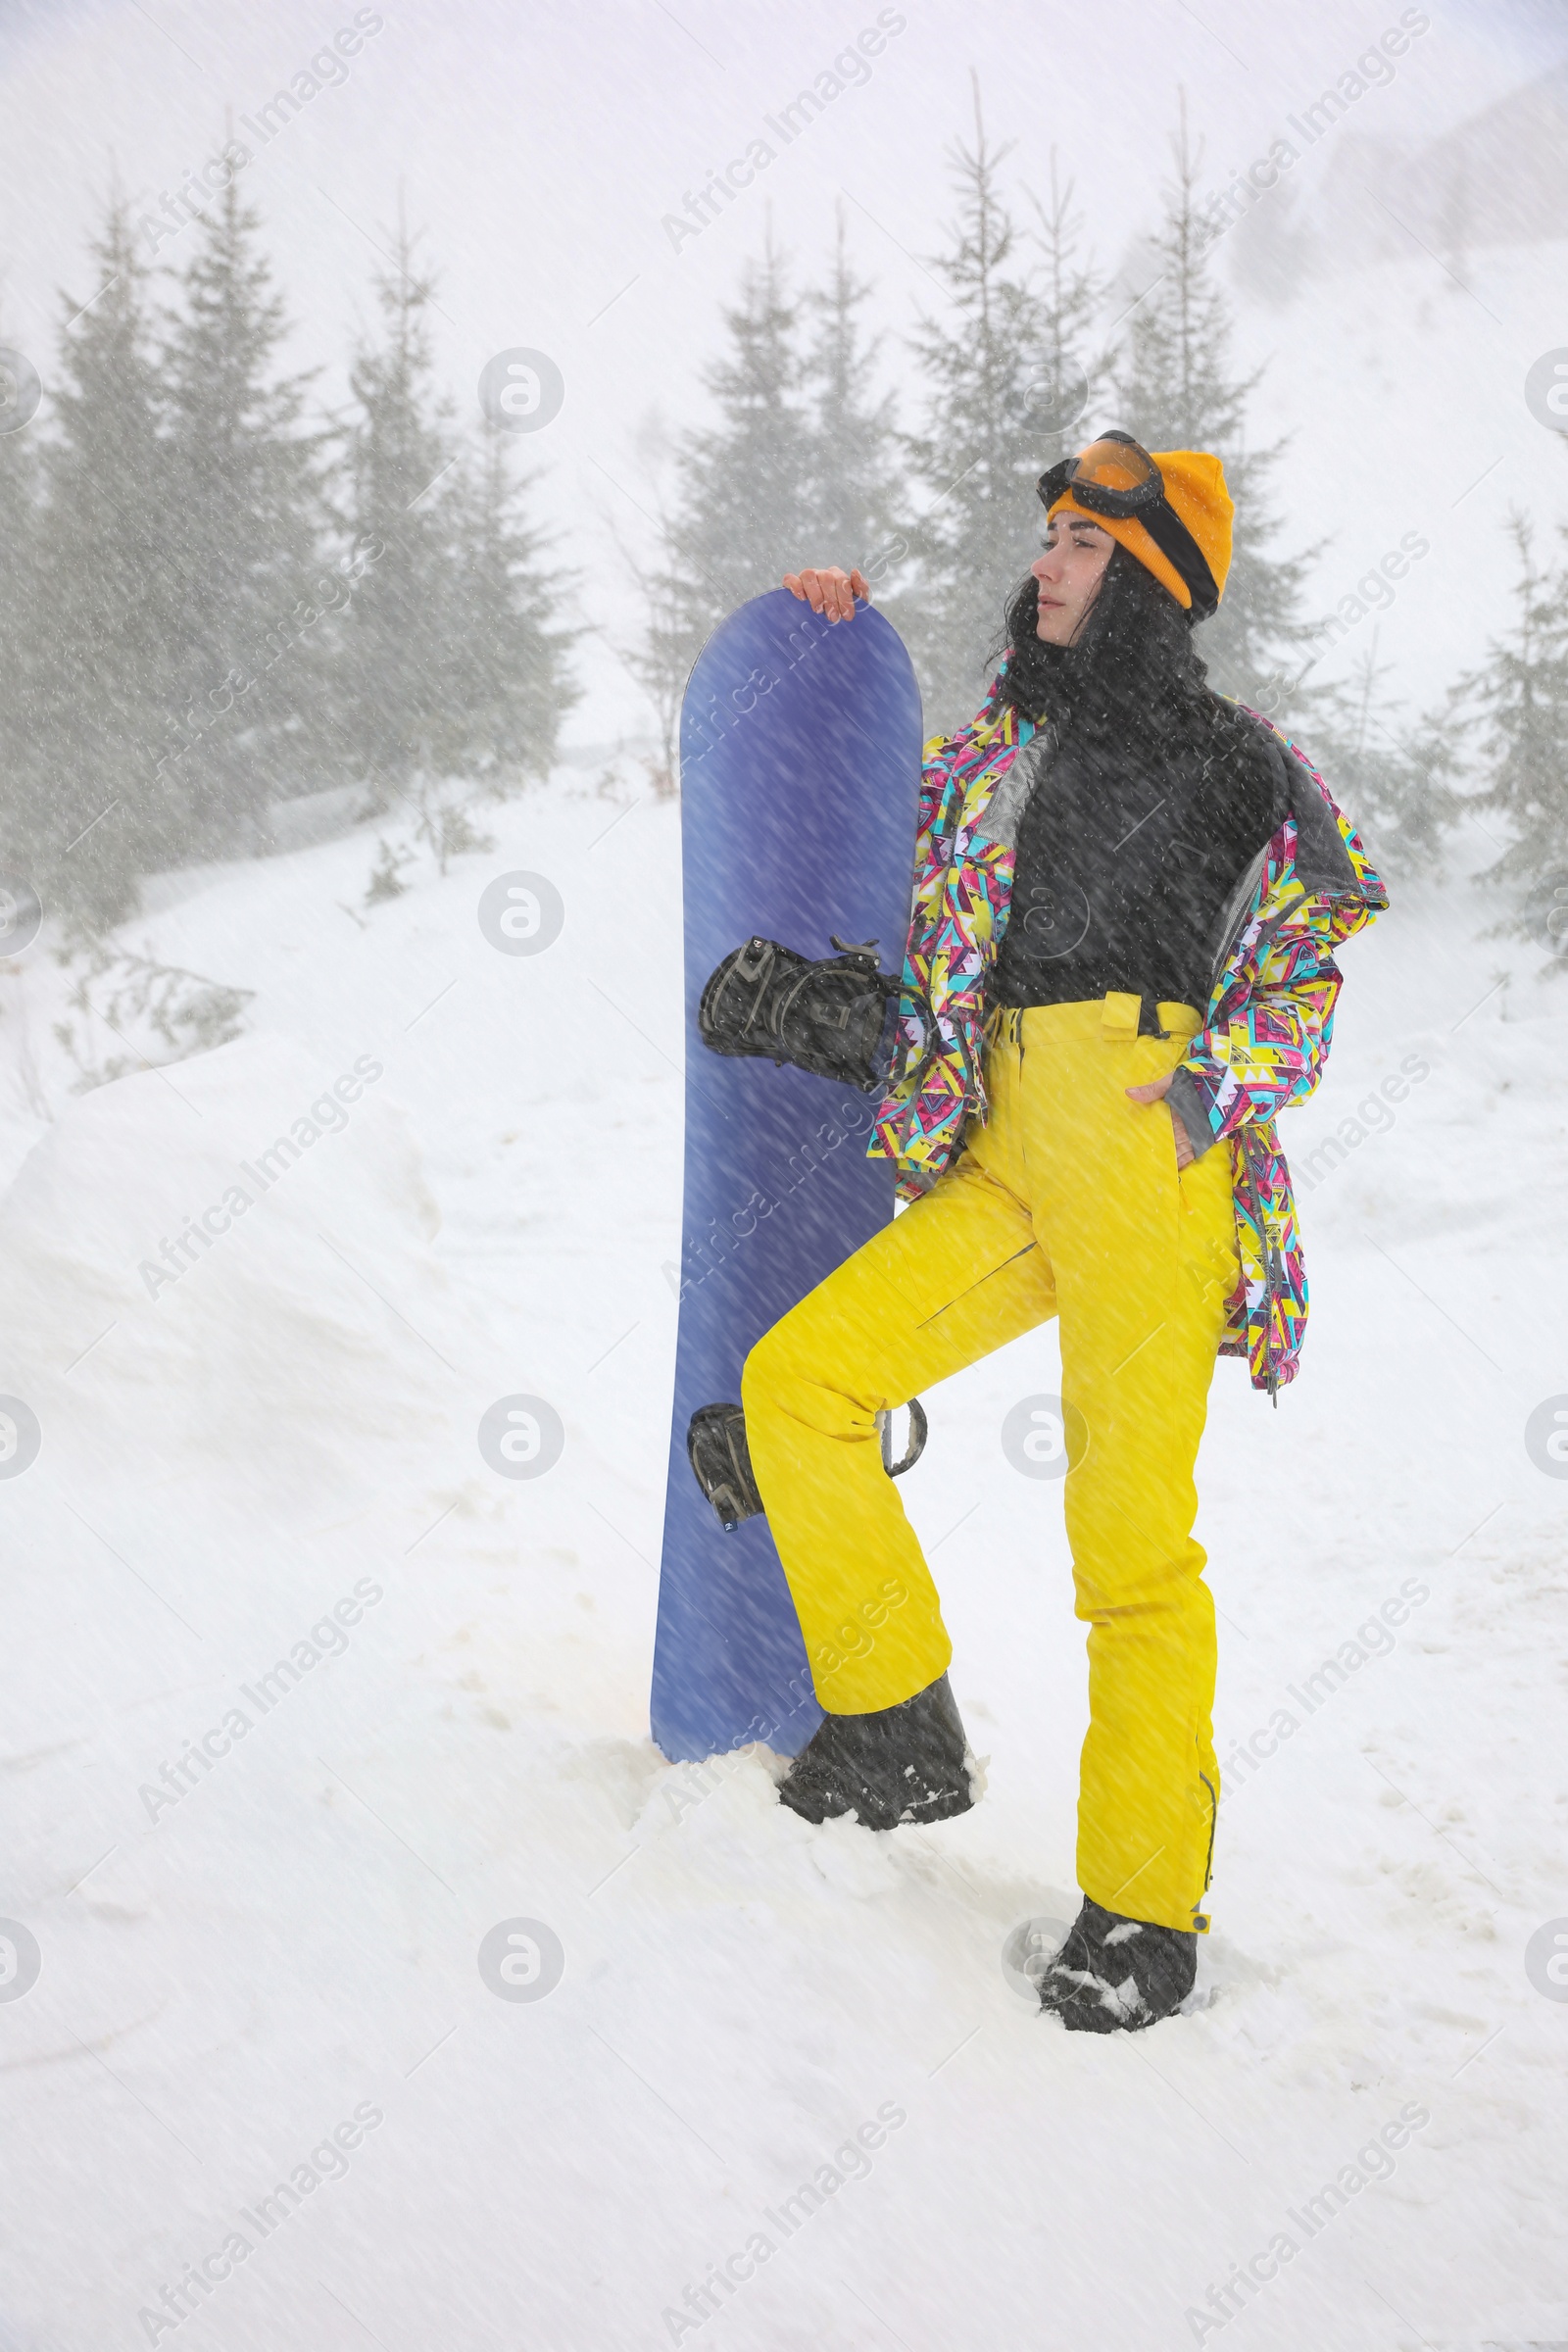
(1195, 486)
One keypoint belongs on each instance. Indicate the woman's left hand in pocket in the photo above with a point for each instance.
(1156, 1092)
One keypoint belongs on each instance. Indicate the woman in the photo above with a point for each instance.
(1127, 896)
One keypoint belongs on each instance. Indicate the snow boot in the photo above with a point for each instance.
(900, 1764)
(1116, 1975)
(722, 1459)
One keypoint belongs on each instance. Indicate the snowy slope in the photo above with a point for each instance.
(1401, 394)
(292, 1939)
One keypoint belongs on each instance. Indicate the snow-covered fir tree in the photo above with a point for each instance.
(249, 648)
(105, 711)
(738, 516)
(994, 366)
(22, 779)
(1069, 371)
(395, 710)
(510, 650)
(1516, 707)
(1174, 388)
(1398, 782)
(736, 527)
(454, 658)
(849, 503)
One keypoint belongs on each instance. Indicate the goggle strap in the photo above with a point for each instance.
(1053, 482)
(1176, 543)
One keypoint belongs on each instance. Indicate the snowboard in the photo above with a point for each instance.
(800, 770)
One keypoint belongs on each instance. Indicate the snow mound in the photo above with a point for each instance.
(219, 1263)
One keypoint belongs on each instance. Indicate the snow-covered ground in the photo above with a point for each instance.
(275, 1457)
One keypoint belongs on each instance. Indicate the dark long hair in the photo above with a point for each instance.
(1131, 684)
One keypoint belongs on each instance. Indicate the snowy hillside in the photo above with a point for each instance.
(1402, 397)
(258, 1934)
(366, 1977)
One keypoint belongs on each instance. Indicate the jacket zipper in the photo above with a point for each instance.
(1213, 1825)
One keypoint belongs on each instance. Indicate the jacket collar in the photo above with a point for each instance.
(1323, 865)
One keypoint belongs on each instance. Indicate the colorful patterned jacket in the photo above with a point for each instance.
(1265, 1036)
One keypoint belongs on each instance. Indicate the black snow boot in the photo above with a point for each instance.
(1116, 1974)
(900, 1764)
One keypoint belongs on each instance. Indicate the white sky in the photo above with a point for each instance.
(539, 146)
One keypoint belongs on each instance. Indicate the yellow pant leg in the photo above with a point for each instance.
(1144, 1259)
(957, 1275)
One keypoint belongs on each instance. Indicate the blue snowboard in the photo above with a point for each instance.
(800, 760)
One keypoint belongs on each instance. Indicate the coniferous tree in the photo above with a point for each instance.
(654, 658)
(737, 528)
(660, 660)
(1069, 372)
(735, 522)
(396, 711)
(248, 505)
(1517, 703)
(996, 368)
(105, 708)
(454, 662)
(21, 646)
(849, 504)
(1398, 783)
(1175, 390)
(508, 675)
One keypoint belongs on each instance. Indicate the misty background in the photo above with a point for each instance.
(277, 563)
(392, 399)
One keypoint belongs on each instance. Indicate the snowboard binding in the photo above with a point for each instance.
(831, 1018)
(721, 1463)
(722, 1459)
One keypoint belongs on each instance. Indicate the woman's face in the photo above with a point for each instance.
(1069, 573)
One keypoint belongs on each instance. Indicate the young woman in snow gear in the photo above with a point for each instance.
(1119, 968)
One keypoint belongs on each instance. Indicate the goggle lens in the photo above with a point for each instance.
(1117, 465)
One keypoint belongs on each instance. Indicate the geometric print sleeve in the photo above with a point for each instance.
(1267, 1040)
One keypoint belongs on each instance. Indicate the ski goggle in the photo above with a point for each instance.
(1115, 476)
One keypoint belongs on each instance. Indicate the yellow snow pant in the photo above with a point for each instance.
(1066, 1203)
